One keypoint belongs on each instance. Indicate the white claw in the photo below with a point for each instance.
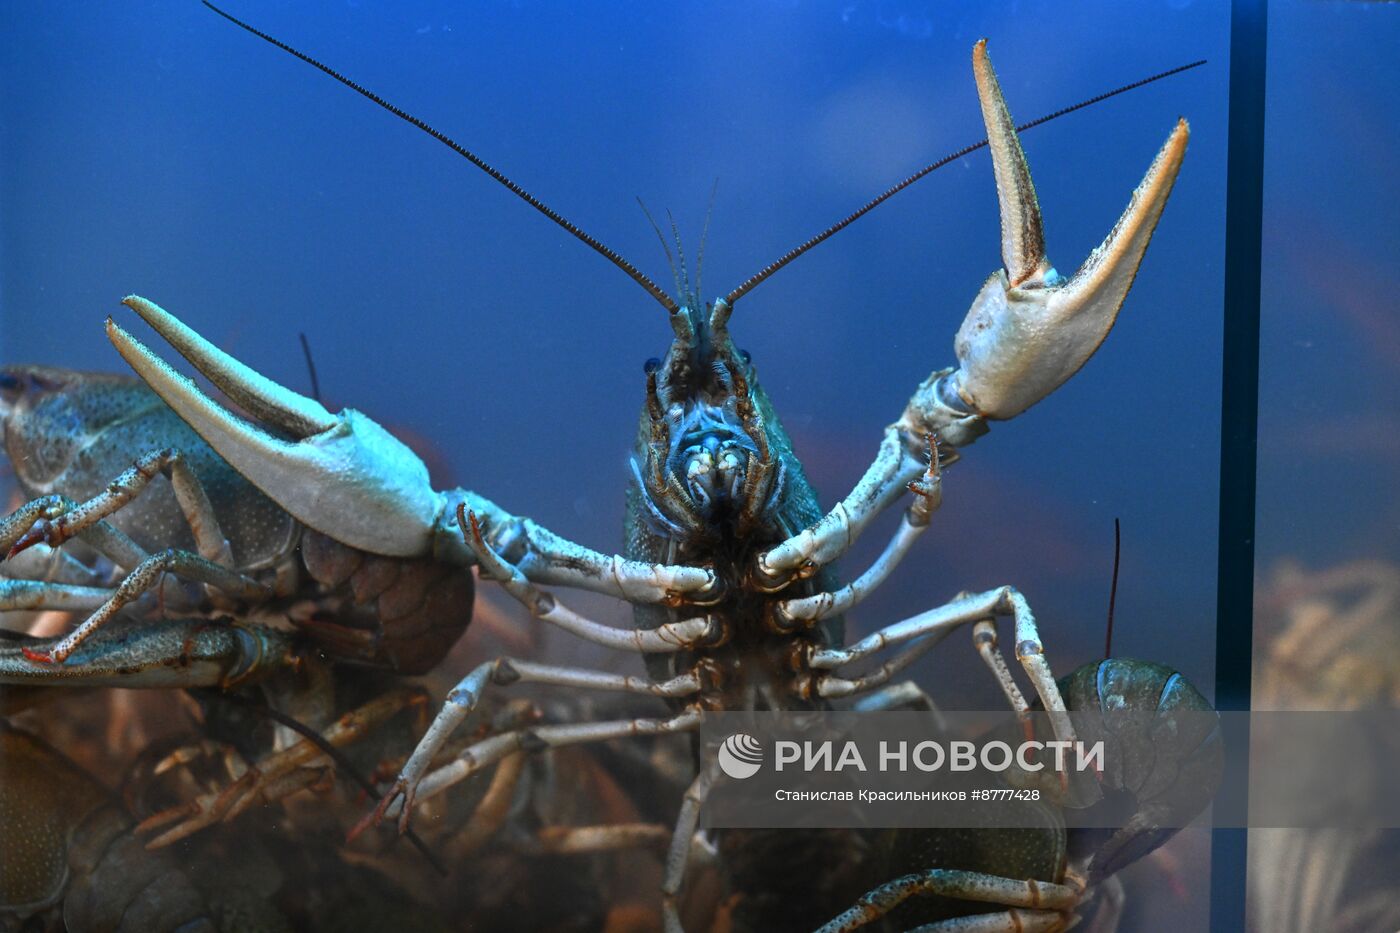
(1022, 236)
(1029, 329)
(258, 395)
(347, 478)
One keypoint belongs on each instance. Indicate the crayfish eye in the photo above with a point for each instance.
(11, 387)
(744, 355)
(16, 383)
(651, 365)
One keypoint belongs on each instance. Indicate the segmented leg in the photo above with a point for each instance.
(147, 576)
(895, 466)
(1008, 921)
(45, 564)
(101, 536)
(194, 503)
(671, 637)
(832, 687)
(401, 799)
(158, 654)
(494, 807)
(463, 698)
(928, 496)
(898, 462)
(678, 856)
(938, 622)
(541, 556)
(907, 694)
(24, 595)
(52, 520)
(55, 580)
(1044, 903)
(23, 518)
(584, 840)
(984, 639)
(275, 777)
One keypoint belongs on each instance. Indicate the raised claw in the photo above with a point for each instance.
(1030, 329)
(341, 474)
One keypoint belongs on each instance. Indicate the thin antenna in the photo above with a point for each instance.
(788, 257)
(1112, 592)
(704, 236)
(666, 247)
(310, 366)
(680, 255)
(608, 253)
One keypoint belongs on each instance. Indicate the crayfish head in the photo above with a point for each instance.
(703, 465)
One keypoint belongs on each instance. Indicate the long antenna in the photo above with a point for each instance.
(789, 256)
(1112, 592)
(607, 252)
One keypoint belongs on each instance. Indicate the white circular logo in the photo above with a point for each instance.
(740, 756)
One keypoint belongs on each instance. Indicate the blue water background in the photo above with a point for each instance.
(1329, 418)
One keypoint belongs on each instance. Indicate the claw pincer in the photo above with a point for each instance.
(1029, 328)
